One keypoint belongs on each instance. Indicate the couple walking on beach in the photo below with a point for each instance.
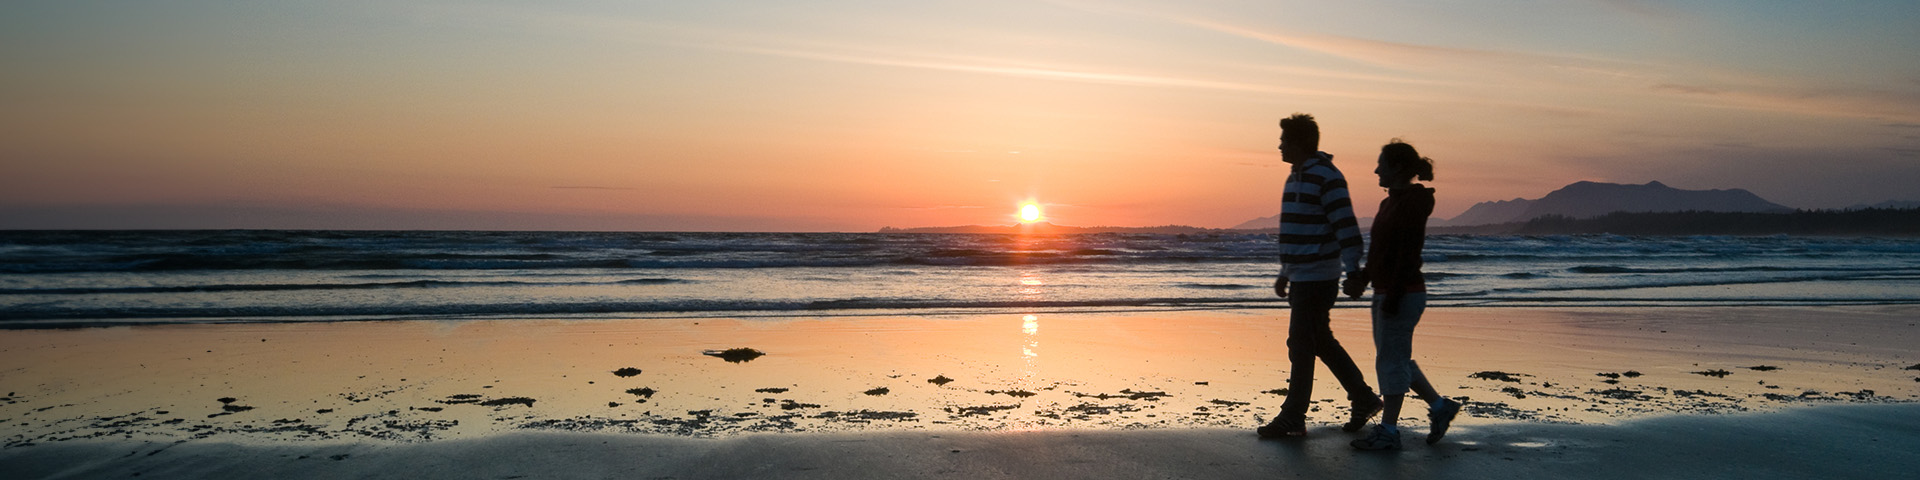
(1319, 240)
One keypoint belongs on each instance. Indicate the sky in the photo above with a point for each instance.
(836, 115)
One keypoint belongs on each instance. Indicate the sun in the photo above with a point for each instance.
(1030, 212)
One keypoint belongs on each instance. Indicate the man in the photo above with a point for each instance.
(1319, 239)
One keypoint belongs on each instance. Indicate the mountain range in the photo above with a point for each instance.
(1593, 199)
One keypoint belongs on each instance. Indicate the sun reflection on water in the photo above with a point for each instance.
(1030, 284)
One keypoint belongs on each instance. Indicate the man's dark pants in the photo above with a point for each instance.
(1309, 336)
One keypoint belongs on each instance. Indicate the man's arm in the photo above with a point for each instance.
(1346, 229)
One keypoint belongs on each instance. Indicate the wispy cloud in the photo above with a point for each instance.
(1086, 75)
(942, 207)
(588, 187)
(787, 46)
(1744, 90)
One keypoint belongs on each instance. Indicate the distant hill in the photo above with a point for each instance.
(1272, 224)
(1593, 199)
(1260, 223)
(1044, 228)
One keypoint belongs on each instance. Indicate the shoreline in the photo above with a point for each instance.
(1853, 441)
(1228, 306)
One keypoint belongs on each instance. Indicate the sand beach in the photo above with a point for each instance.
(1582, 392)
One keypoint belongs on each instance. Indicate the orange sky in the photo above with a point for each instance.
(850, 116)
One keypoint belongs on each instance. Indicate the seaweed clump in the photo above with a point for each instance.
(1498, 375)
(500, 402)
(735, 355)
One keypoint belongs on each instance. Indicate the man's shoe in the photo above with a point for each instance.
(1442, 417)
(1363, 410)
(1283, 427)
(1382, 438)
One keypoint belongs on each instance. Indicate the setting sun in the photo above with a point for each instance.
(1030, 213)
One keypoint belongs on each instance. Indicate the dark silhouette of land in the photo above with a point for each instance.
(1592, 199)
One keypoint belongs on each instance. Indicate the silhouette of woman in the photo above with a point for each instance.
(1400, 294)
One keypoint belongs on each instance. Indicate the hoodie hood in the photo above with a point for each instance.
(1315, 159)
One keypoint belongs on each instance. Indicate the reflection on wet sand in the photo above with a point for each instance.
(412, 381)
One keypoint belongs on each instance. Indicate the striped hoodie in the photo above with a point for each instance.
(1318, 234)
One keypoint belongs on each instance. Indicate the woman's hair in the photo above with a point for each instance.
(1402, 154)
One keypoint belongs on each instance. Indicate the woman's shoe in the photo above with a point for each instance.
(1383, 438)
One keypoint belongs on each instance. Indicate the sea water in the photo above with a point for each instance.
(135, 277)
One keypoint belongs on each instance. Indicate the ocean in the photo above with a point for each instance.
(95, 278)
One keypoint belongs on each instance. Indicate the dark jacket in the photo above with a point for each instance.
(1399, 233)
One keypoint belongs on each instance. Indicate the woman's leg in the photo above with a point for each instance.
(1393, 344)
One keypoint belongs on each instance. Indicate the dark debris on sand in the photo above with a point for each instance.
(980, 410)
(1012, 393)
(877, 391)
(769, 390)
(1763, 368)
(1913, 367)
(939, 380)
(1715, 373)
(735, 355)
(626, 372)
(1129, 394)
(1499, 375)
(460, 399)
(501, 402)
(1277, 391)
(791, 405)
(865, 416)
(644, 392)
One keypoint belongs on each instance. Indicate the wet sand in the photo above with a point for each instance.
(1833, 441)
(997, 381)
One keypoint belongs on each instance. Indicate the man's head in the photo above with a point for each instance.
(1299, 138)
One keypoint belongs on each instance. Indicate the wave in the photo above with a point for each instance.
(27, 315)
(46, 316)
(1217, 286)
(318, 286)
(1615, 269)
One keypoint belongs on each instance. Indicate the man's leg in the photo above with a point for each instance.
(1307, 318)
(1318, 298)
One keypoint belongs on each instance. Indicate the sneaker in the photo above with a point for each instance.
(1363, 410)
(1382, 438)
(1283, 427)
(1442, 417)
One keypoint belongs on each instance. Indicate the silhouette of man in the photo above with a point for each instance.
(1319, 239)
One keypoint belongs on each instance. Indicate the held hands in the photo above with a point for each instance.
(1356, 284)
(1280, 286)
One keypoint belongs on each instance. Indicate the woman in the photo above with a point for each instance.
(1400, 294)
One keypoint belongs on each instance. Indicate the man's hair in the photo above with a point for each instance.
(1399, 153)
(1300, 131)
